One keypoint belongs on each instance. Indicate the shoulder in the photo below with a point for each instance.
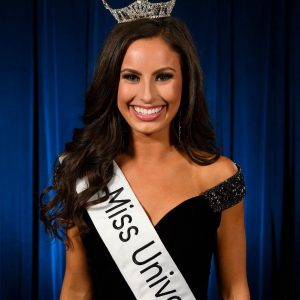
(216, 173)
(222, 169)
(222, 184)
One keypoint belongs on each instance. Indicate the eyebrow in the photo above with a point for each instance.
(156, 72)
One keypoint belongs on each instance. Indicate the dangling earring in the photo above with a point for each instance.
(179, 128)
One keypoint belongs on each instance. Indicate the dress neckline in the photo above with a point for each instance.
(175, 208)
(186, 201)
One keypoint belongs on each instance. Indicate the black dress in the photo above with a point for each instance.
(188, 232)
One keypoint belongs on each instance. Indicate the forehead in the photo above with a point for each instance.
(150, 52)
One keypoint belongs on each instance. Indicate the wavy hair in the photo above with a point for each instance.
(105, 133)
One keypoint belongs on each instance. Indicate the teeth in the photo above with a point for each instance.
(145, 112)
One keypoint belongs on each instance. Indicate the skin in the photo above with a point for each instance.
(152, 79)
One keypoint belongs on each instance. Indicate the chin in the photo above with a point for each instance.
(149, 130)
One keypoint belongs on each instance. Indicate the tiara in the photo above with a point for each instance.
(141, 9)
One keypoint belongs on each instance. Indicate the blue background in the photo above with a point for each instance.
(249, 51)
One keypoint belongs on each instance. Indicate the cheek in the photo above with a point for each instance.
(172, 93)
(178, 90)
(125, 94)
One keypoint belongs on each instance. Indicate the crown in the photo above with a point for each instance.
(141, 9)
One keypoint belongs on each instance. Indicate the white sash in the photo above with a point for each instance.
(135, 245)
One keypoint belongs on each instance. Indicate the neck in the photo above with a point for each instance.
(149, 149)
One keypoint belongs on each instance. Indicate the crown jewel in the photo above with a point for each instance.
(141, 9)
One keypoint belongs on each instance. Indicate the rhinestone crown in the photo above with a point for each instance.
(141, 9)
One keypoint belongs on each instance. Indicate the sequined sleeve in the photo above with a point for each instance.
(228, 193)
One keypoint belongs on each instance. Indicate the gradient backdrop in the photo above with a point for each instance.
(249, 50)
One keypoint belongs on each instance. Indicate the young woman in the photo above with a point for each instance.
(145, 110)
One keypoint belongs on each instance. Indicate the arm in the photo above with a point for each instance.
(231, 255)
(77, 283)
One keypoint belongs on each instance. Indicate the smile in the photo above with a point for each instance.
(148, 114)
(147, 111)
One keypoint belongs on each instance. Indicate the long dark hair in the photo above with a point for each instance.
(106, 134)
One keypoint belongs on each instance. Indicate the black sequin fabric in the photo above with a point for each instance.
(228, 193)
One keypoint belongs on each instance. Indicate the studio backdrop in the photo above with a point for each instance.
(249, 51)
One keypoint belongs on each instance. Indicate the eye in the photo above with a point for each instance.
(164, 76)
(130, 77)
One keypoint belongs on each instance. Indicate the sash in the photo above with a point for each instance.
(134, 243)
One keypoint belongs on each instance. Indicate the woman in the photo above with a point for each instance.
(146, 111)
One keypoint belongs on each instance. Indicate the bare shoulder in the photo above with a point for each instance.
(223, 168)
(216, 173)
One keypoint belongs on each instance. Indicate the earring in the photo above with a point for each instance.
(179, 128)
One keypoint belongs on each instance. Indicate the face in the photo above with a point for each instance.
(150, 86)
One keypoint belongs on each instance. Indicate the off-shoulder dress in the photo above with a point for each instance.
(188, 232)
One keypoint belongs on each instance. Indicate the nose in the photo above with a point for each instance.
(148, 91)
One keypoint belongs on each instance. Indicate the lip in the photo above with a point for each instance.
(150, 117)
